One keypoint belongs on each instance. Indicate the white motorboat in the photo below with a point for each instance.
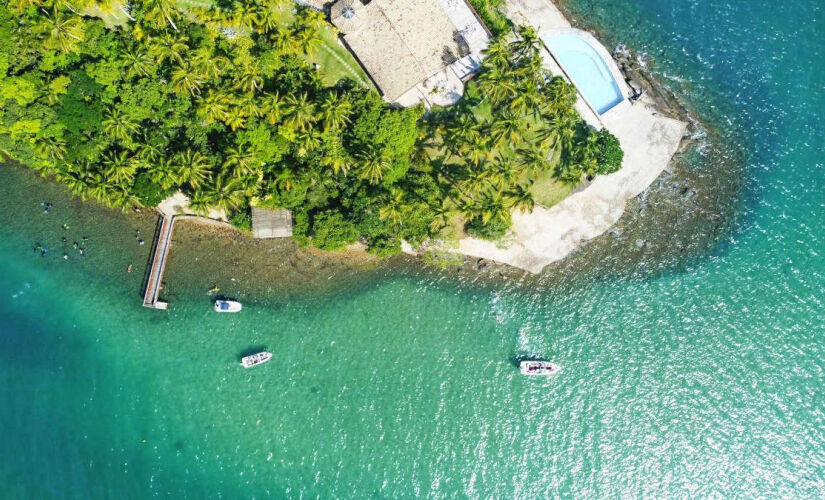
(258, 358)
(539, 368)
(227, 306)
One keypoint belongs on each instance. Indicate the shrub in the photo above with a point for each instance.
(493, 230)
(331, 231)
(609, 155)
(148, 192)
(242, 219)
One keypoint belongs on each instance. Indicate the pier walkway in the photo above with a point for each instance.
(154, 281)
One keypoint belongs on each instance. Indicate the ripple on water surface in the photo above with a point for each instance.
(701, 377)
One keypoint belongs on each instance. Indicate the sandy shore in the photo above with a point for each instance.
(649, 140)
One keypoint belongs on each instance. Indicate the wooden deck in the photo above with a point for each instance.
(154, 281)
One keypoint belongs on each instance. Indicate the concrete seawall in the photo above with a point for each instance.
(648, 139)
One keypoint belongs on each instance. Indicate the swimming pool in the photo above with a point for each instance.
(588, 70)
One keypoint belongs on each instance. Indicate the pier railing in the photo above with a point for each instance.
(154, 281)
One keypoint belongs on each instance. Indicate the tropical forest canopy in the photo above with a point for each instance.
(221, 103)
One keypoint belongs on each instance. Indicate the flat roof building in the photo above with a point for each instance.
(271, 223)
(405, 43)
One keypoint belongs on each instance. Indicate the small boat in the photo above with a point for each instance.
(227, 306)
(539, 368)
(258, 358)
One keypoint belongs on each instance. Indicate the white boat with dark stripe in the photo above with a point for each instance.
(539, 368)
(227, 306)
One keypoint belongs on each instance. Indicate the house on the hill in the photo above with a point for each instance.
(414, 50)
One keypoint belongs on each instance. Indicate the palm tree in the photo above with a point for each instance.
(336, 158)
(520, 197)
(137, 62)
(214, 107)
(271, 105)
(568, 123)
(119, 125)
(20, 6)
(241, 161)
(313, 18)
(502, 171)
(463, 130)
(300, 111)
(527, 41)
(308, 141)
(119, 167)
(497, 84)
(269, 18)
(442, 215)
(186, 79)
(506, 130)
(207, 64)
(306, 40)
(161, 11)
(498, 54)
(334, 111)
(532, 159)
(61, 32)
(163, 172)
(559, 96)
(549, 132)
(169, 48)
(393, 209)
(248, 106)
(249, 79)
(476, 150)
(191, 167)
(373, 166)
(222, 193)
(235, 120)
(526, 100)
(51, 148)
(493, 207)
(283, 41)
(149, 152)
(245, 15)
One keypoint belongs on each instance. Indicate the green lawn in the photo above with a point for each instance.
(112, 14)
(336, 61)
(547, 191)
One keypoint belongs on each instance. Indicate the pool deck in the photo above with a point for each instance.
(649, 141)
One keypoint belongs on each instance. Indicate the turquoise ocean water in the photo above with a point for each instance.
(701, 380)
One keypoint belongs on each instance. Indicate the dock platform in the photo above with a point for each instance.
(154, 280)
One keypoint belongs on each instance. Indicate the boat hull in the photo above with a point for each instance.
(227, 306)
(255, 359)
(539, 368)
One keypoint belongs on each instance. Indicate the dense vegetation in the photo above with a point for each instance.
(516, 123)
(222, 104)
(490, 12)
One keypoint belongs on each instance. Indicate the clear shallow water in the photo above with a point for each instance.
(702, 381)
(587, 69)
